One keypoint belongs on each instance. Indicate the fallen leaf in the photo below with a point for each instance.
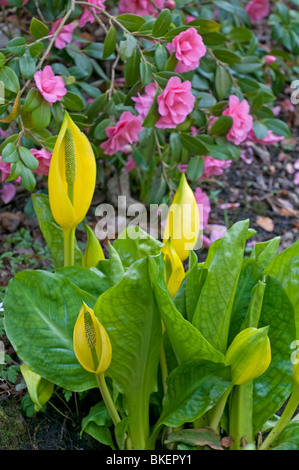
(265, 223)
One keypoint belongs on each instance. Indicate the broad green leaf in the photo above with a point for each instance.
(265, 252)
(10, 153)
(28, 158)
(73, 101)
(91, 280)
(285, 268)
(288, 439)
(212, 315)
(134, 244)
(194, 144)
(116, 267)
(226, 56)
(240, 34)
(27, 65)
(195, 167)
(277, 126)
(41, 309)
(180, 331)
(51, 231)
(97, 424)
(273, 387)
(39, 389)
(250, 275)
(193, 388)
(195, 437)
(130, 315)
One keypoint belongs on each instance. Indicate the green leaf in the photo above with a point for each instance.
(221, 126)
(39, 321)
(161, 56)
(288, 438)
(195, 437)
(134, 244)
(131, 22)
(33, 100)
(100, 129)
(73, 101)
(28, 158)
(162, 23)
(195, 168)
(10, 80)
(36, 49)
(10, 153)
(193, 388)
(194, 144)
(41, 116)
(223, 82)
(134, 329)
(132, 69)
(240, 34)
(226, 56)
(247, 65)
(52, 232)
(146, 74)
(277, 126)
(97, 424)
(272, 389)
(38, 29)
(179, 331)
(260, 130)
(16, 46)
(224, 263)
(127, 46)
(109, 43)
(27, 65)
(205, 26)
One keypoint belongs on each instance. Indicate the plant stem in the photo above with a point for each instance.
(217, 411)
(240, 416)
(107, 398)
(69, 245)
(284, 419)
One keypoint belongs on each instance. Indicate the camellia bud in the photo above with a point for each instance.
(91, 342)
(174, 269)
(72, 175)
(249, 355)
(182, 223)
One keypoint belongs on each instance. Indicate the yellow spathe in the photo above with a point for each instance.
(66, 214)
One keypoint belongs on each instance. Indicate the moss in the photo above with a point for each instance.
(13, 433)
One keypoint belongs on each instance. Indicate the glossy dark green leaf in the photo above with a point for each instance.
(110, 42)
(38, 29)
(162, 23)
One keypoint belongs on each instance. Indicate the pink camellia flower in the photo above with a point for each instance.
(44, 158)
(130, 164)
(296, 178)
(170, 4)
(214, 167)
(269, 59)
(144, 102)
(140, 7)
(257, 10)
(87, 13)
(175, 103)
(50, 86)
(65, 36)
(270, 138)
(242, 120)
(5, 171)
(189, 49)
(202, 199)
(125, 132)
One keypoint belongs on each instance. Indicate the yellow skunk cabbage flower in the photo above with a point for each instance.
(182, 223)
(93, 252)
(174, 269)
(72, 175)
(249, 355)
(91, 342)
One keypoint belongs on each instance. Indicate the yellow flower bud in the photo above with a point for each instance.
(93, 252)
(174, 269)
(91, 342)
(249, 355)
(182, 223)
(72, 175)
(40, 390)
